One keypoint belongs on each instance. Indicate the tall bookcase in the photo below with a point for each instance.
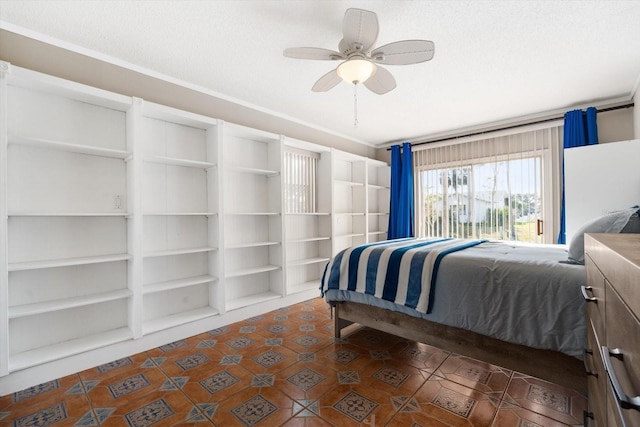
(125, 224)
(66, 156)
(253, 241)
(308, 230)
(178, 158)
(378, 198)
(349, 177)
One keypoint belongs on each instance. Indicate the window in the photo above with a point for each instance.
(498, 188)
(300, 168)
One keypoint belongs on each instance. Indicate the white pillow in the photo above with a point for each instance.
(612, 222)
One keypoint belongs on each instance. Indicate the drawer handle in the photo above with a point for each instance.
(586, 297)
(624, 400)
(584, 360)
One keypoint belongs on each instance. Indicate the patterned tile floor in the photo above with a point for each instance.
(284, 369)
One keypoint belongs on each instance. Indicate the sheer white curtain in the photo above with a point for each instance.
(499, 185)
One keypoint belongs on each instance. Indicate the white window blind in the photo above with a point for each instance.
(300, 176)
(503, 187)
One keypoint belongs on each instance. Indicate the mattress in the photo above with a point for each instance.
(516, 292)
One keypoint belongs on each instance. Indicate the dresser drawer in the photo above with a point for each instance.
(594, 295)
(596, 378)
(623, 359)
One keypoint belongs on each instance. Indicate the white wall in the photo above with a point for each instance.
(636, 113)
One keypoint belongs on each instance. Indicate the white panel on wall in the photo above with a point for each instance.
(599, 179)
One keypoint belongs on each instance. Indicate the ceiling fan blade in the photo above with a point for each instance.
(404, 52)
(360, 28)
(327, 82)
(312, 53)
(381, 81)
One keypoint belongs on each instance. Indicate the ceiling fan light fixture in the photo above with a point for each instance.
(356, 70)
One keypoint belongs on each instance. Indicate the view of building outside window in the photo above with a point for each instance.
(491, 200)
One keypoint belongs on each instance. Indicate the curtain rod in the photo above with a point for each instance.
(602, 110)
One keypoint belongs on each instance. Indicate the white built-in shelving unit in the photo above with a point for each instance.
(125, 224)
(179, 215)
(349, 178)
(378, 197)
(308, 231)
(65, 199)
(253, 241)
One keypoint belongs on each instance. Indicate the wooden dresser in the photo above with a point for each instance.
(612, 356)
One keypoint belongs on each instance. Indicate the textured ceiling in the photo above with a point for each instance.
(494, 60)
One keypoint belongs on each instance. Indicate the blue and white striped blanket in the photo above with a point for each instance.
(403, 271)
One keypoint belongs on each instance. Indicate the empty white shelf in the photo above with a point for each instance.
(65, 146)
(65, 262)
(351, 235)
(300, 287)
(378, 232)
(309, 213)
(308, 239)
(378, 213)
(170, 321)
(350, 213)
(348, 183)
(377, 187)
(307, 261)
(65, 303)
(256, 171)
(251, 300)
(67, 348)
(251, 245)
(173, 161)
(252, 270)
(179, 213)
(253, 213)
(168, 252)
(178, 283)
(70, 214)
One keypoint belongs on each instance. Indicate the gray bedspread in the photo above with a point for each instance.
(520, 293)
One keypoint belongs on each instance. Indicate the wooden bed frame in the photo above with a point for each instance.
(548, 365)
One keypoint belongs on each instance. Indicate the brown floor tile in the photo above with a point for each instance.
(269, 359)
(489, 379)
(254, 407)
(34, 397)
(392, 377)
(217, 384)
(356, 405)
(165, 408)
(168, 350)
(341, 357)
(371, 339)
(548, 399)
(417, 419)
(306, 381)
(418, 355)
(116, 367)
(306, 342)
(61, 409)
(129, 385)
(512, 415)
(306, 421)
(189, 360)
(454, 404)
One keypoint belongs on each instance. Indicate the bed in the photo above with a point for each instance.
(512, 304)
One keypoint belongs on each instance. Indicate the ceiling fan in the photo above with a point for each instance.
(360, 62)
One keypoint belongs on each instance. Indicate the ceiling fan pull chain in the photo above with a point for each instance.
(355, 105)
